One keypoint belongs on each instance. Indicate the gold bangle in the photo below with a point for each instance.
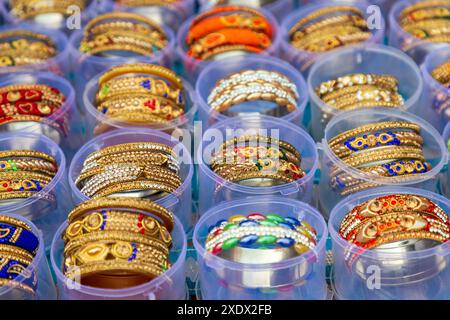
(27, 154)
(330, 42)
(29, 9)
(422, 5)
(143, 205)
(33, 165)
(384, 154)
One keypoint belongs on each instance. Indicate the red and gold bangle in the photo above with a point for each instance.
(27, 108)
(30, 93)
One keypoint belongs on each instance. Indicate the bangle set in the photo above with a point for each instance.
(361, 90)
(122, 32)
(329, 28)
(26, 9)
(391, 149)
(144, 170)
(226, 29)
(143, 93)
(18, 247)
(427, 20)
(261, 234)
(254, 85)
(24, 173)
(442, 74)
(24, 47)
(395, 218)
(32, 102)
(117, 242)
(258, 161)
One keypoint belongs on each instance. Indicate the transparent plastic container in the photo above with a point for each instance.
(48, 208)
(362, 59)
(302, 59)
(192, 67)
(45, 288)
(218, 70)
(434, 150)
(56, 21)
(436, 97)
(299, 278)
(169, 286)
(171, 15)
(214, 189)
(445, 184)
(59, 64)
(71, 136)
(85, 67)
(374, 275)
(180, 202)
(98, 123)
(279, 8)
(399, 38)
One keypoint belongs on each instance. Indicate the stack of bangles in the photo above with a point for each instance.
(143, 93)
(394, 221)
(265, 238)
(140, 170)
(257, 161)
(24, 173)
(26, 9)
(122, 32)
(18, 248)
(254, 85)
(361, 90)
(391, 149)
(442, 74)
(117, 243)
(329, 28)
(427, 20)
(228, 29)
(442, 102)
(21, 103)
(24, 47)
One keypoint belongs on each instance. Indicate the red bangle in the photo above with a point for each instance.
(27, 108)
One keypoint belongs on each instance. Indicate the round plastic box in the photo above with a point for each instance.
(434, 150)
(169, 286)
(47, 208)
(192, 67)
(279, 8)
(180, 202)
(97, 122)
(377, 59)
(218, 70)
(361, 274)
(436, 97)
(59, 64)
(299, 278)
(303, 60)
(399, 38)
(85, 67)
(214, 189)
(68, 116)
(45, 288)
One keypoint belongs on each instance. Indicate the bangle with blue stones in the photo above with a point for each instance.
(14, 232)
(258, 231)
(14, 272)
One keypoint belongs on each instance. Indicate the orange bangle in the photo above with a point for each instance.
(224, 37)
(214, 24)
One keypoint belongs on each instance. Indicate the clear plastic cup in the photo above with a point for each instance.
(405, 41)
(171, 15)
(59, 64)
(279, 8)
(214, 189)
(374, 275)
(433, 148)
(362, 59)
(299, 278)
(180, 202)
(192, 67)
(85, 67)
(436, 97)
(98, 123)
(218, 70)
(72, 136)
(304, 60)
(169, 286)
(48, 207)
(45, 288)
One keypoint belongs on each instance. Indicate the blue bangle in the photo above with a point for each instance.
(18, 237)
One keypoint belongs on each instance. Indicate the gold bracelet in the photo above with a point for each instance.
(28, 9)
(385, 154)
